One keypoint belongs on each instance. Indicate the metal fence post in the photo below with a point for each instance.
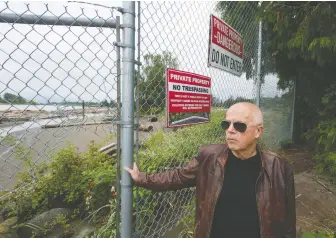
(128, 44)
(118, 126)
(137, 222)
(293, 111)
(259, 65)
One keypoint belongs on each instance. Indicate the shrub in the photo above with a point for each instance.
(71, 179)
(174, 148)
(286, 144)
(317, 235)
(324, 134)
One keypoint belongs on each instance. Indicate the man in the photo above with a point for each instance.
(241, 191)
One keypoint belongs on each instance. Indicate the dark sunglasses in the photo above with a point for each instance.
(238, 126)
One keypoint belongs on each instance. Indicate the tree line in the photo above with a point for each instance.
(15, 99)
(9, 98)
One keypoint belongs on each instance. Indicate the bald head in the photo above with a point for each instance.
(248, 111)
(243, 142)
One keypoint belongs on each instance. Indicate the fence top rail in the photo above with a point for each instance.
(54, 20)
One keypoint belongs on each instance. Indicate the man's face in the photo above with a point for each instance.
(236, 140)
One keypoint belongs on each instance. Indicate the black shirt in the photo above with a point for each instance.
(236, 213)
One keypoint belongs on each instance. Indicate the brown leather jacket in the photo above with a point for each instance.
(275, 195)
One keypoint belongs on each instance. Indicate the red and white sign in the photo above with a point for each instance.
(225, 47)
(190, 94)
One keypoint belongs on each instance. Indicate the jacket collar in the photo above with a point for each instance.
(266, 167)
(265, 164)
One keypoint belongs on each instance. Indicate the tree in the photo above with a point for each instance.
(230, 101)
(152, 80)
(243, 17)
(299, 41)
(113, 103)
(215, 101)
(301, 37)
(2, 100)
(105, 103)
(16, 99)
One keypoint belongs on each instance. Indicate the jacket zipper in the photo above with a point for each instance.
(217, 195)
(255, 189)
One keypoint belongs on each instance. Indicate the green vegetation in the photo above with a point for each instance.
(295, 46)
(242, 16)
(325, 134)
(163, 151)
(304, 52)
(229, 102)
(166, 150)
(71, 180)
(3, 101)
(15, 99)
(152, 80)
(307, 54)
(105, 103)
(317, 235)
(83, 182)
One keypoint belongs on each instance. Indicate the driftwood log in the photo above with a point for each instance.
(111, 149)
(146, 128)
(69, 125)
(107, 147)
(152, 119)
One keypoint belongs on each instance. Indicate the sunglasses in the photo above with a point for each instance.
(238, 126)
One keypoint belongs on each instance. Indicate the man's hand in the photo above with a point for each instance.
(133, 172)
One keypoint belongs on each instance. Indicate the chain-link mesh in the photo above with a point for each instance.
(176, 35)
(58, 82)
(277, 106)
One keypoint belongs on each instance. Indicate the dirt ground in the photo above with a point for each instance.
(315, 193)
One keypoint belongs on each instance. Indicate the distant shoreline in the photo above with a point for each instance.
(21, 113)
(5, 107)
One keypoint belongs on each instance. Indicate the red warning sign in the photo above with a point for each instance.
(188, 98)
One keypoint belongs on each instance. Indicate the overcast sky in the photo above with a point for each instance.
(77, 63)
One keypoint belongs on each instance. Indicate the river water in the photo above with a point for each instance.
(48, 108)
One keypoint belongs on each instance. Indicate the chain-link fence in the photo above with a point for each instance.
(277, 106)
(60, 67)
(176, 35)
(58, 81)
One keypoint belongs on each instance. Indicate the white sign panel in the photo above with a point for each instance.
(225, 47)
